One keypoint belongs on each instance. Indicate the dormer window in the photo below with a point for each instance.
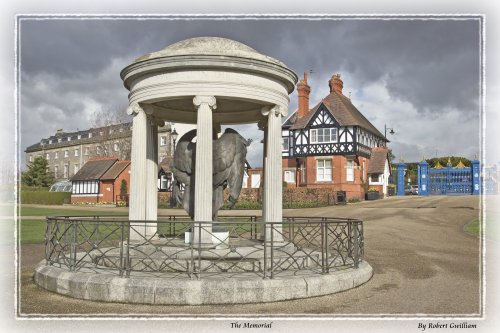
(79, 136)
(69, 138)
(90, 135)
(59, 140)
(50, 142)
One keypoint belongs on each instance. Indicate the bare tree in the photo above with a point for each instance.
(111, 133)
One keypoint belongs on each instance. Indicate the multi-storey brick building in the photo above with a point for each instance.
(333, 145)
(68, 152)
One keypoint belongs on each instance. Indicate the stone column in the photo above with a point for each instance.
(137, 204)
(151, 175)
(203, 185)
(273, 188)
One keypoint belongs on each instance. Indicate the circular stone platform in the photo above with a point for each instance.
(218, 289)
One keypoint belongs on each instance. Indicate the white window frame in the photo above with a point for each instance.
(66, 153)
(56, 171)
(56, 155)
(47, 156)
(289, 176)
(87, 151)
(76, 153)
(163, 140)
(349, 170)
(115, 146)
(324, 170)
(332, 136)
(66, 171)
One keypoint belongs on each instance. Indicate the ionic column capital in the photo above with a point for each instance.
(276, 110)
(210, 100)
(134, 109)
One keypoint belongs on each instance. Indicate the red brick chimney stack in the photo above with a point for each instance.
(336, 84)
(303, 91)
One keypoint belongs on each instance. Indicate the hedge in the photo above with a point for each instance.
(45, 198)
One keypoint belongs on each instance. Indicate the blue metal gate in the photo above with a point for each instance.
(448, 180)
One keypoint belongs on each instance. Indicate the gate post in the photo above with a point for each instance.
(423, 170)
(401, 178)
(476, 179)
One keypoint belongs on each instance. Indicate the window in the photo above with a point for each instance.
(255, 180)
(90, 135)
(163, 140)
(79, 136)
(56, 169)
(86, 151)
(289, 176)
(66, 170)
(324, 170)
(31, 158)
(50, 142)
(115, 147)
(76, 152)
(121, 130)
(98, 150)
(111, 131)
(375, 178)
(286, 143)
(47, 156)
(245, 181)
(101, 133)
(66, 153)
(349, 170)
(56, 155)
(68, 138)
(59, 140)
(321, 135)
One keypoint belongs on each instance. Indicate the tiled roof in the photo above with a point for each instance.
(94, 169)
(378, 159)
(342, 110)
(115, 170)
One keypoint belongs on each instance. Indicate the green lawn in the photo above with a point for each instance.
(31, 231)
(91, 211)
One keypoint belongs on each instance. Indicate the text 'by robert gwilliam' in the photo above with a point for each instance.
(251, 325)
(424, 326)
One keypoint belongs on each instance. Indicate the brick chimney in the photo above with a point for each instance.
(336, 84)
(303, 91)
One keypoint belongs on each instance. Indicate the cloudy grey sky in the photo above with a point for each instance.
(418, 76)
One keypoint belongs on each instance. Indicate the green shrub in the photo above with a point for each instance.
(25, 188)
(45, 198)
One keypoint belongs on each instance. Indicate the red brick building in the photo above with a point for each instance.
(332, 145)
(99, 180)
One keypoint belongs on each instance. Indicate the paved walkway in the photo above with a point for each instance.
(424, 263)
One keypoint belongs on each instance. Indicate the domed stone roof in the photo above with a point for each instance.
(215, 46)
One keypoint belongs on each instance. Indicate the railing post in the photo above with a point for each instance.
(122, 239)
(127, 251)
(323, 245)
(74, 225)
(48, 233)
(356, 245)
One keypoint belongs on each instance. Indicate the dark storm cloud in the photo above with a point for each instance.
(430, 63)
(73, 64)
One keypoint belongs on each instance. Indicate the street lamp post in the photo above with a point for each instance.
(388, 128)
(174, 135)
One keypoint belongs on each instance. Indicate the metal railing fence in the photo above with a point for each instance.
(175, 246)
